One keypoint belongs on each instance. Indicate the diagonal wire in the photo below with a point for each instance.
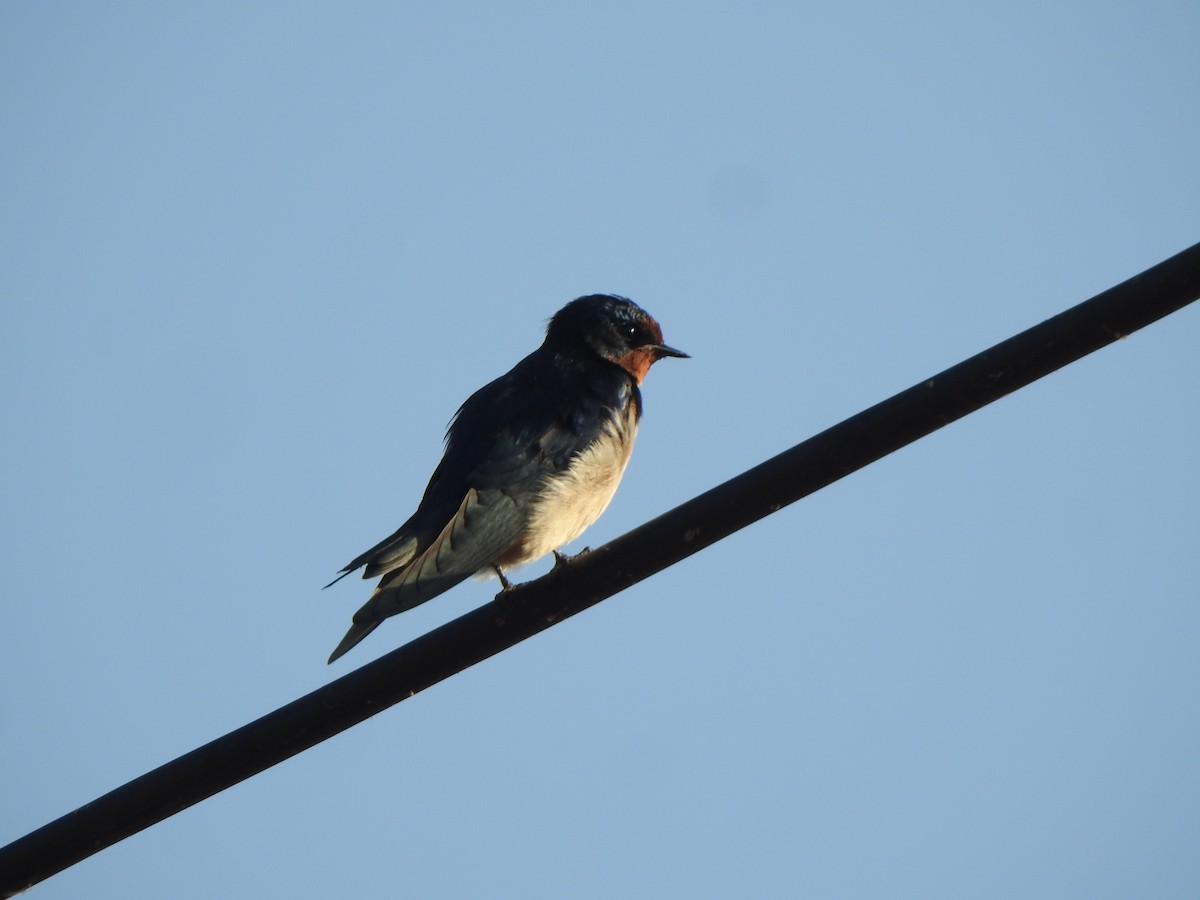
(588, 579)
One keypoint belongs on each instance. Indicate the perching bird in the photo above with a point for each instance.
(531, 460)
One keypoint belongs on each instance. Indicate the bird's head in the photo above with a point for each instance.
(614, 328)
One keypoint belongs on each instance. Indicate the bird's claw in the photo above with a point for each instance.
(562, 559)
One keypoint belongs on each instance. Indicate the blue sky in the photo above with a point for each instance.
(254, 256)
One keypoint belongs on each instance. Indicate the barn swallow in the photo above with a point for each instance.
(530, 460)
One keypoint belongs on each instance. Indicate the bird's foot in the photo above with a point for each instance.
(505, 601)
(562, 559)
(505, 584)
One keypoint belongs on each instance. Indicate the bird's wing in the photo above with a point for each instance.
(530, 423)
(485, 525)
(496, 495)
(394, 551)
(514, 462)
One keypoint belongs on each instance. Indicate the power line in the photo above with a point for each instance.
(572, 588)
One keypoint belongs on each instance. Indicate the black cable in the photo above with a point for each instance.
(587, 580)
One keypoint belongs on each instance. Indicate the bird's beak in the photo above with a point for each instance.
(661, 350)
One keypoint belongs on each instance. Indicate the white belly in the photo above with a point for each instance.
(574, 500)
